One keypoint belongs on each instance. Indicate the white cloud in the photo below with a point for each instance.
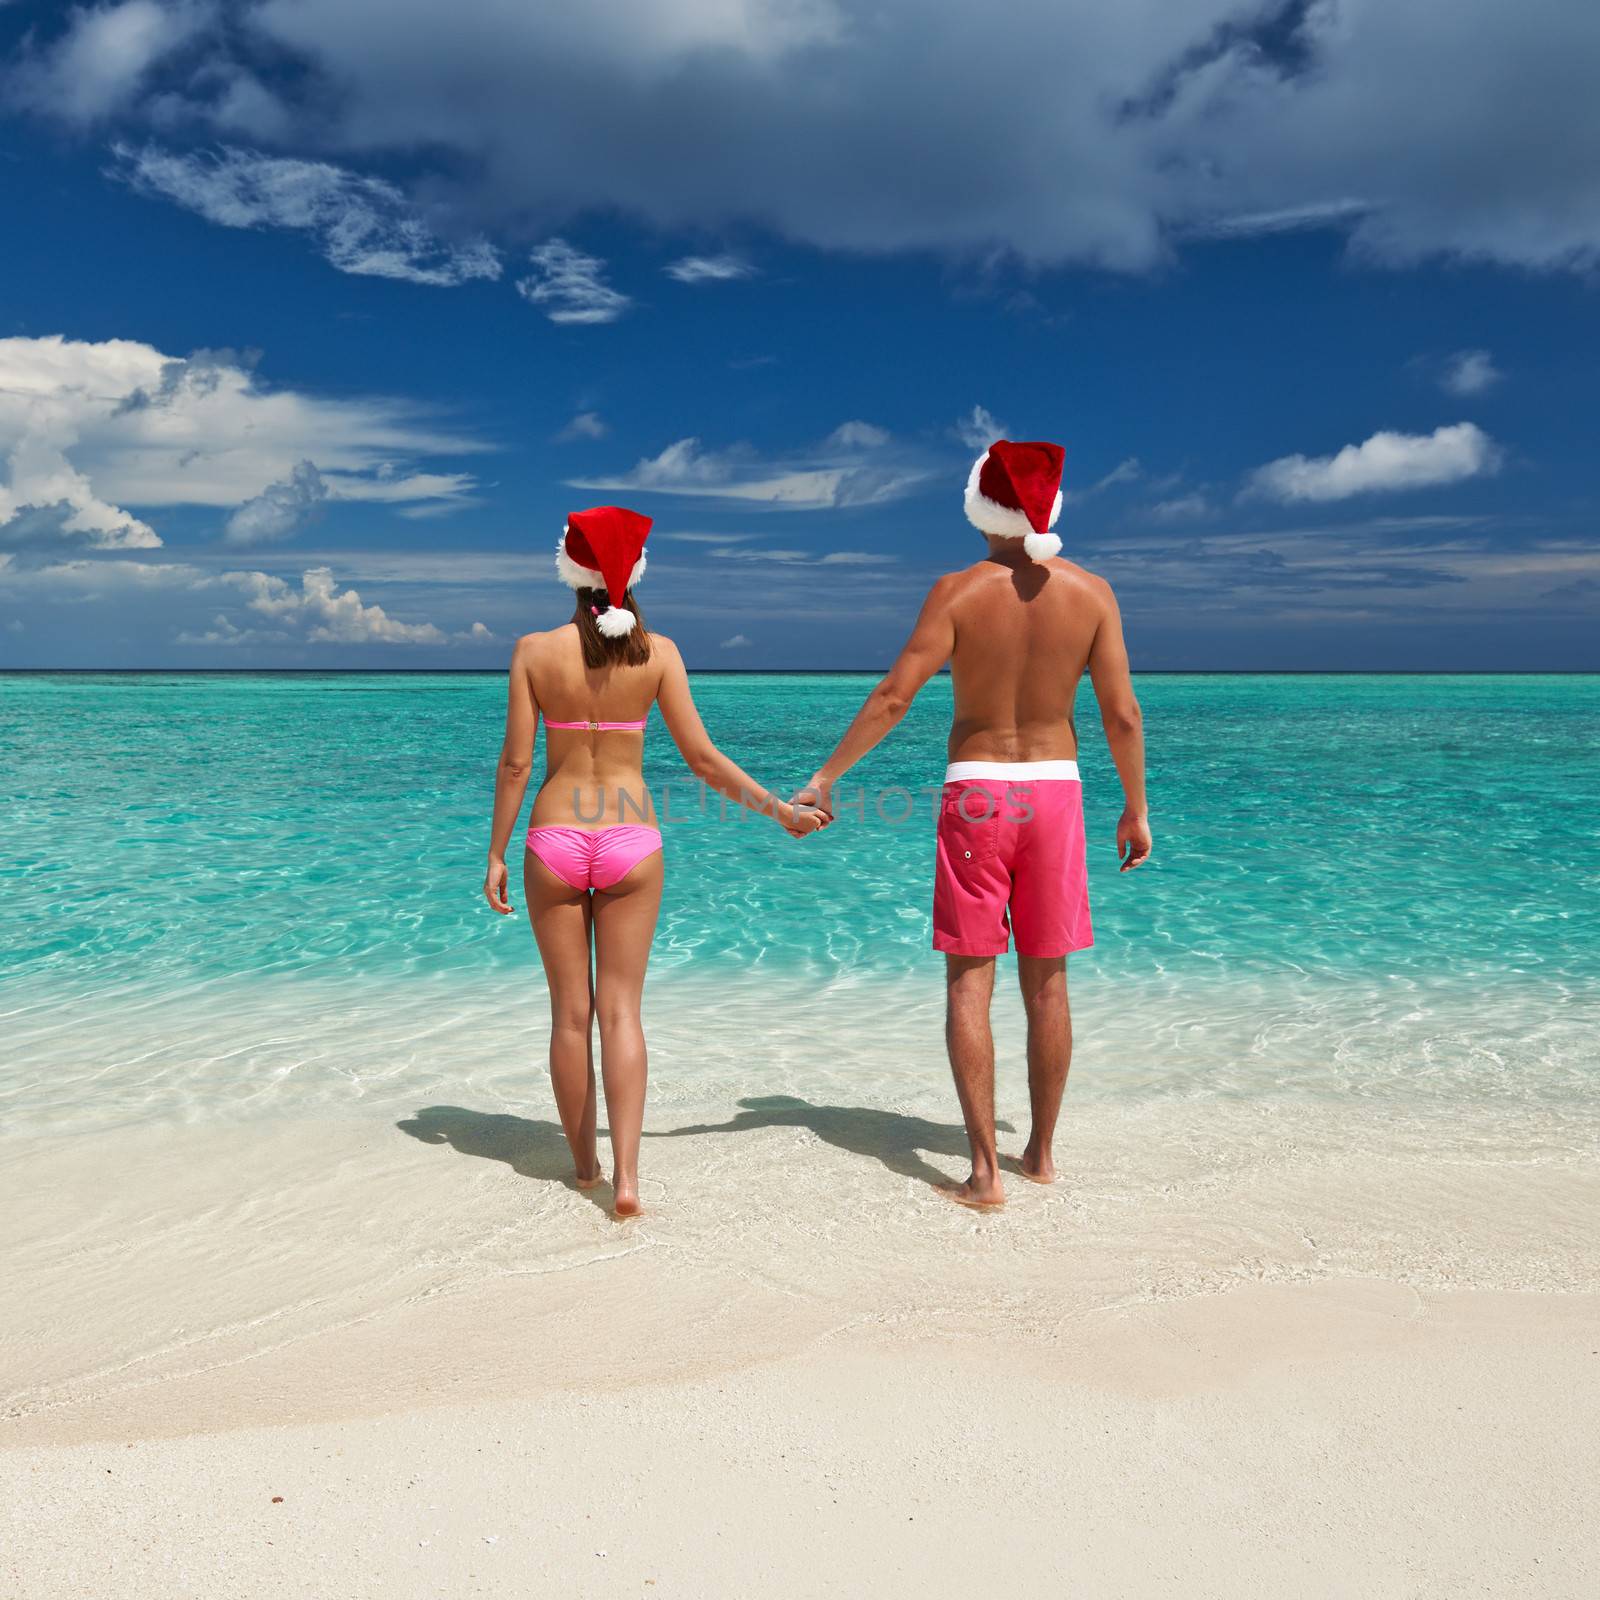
(570, 285)
(709, 269)
(1288, 219)
(586, 425)
(99, 63)
(88, 430)
(980, 430)
(857, 436)
(1125, 471)
(329, 614)
(1181, 508)
(1469, 372)
(224, 631)
(1385, 462)
(737, 642)
(834, 476)
(362, 225)
(280, 508)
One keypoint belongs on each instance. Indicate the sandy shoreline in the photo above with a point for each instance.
(1348, 1438)
(1306, 1349)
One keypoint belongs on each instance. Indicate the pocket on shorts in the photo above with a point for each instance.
(969, 823)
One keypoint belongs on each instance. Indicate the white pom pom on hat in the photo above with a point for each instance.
(603, 548)
(1014, 492)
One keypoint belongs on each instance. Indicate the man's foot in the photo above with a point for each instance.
(625, 1202)
(975, 1195)
(1037, 1167)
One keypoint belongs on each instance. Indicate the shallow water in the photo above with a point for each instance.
(227, 890)
(271, 1069)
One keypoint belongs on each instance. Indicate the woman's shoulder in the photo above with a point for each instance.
(533, 643)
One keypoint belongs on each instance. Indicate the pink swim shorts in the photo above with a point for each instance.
(1011, 860)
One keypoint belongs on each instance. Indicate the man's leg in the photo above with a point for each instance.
(969, 986)
(1044, 997)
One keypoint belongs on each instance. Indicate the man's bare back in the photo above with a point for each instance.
(1022, 635)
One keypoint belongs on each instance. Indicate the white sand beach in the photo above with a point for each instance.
(1260, 1351)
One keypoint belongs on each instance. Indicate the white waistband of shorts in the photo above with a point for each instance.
(1009, 771)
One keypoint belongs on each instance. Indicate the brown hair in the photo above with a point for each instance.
(632, 649)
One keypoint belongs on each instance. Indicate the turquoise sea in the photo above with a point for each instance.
(271, 1072)
(1397, 878)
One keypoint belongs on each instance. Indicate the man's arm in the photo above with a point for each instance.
(928, 648)
(1124, 725)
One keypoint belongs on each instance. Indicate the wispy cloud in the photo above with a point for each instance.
(852, 470)
(857, 436)
(980, 428)
(709, 269)
(1284, 219)
(1469, 372)
(1125, 471)
(1181, 508)
(569, 286)
(586, 425)
(1385, 462)
(362, 225)
(1401, 568)
(737, 642)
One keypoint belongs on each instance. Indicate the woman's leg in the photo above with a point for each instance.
(624, 926)
(561, 920)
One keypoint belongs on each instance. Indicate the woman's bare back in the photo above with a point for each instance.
(593, 778)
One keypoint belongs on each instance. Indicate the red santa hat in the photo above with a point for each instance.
(1015, 492)
(603, 548)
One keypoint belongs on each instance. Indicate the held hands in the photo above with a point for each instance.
(494, 886)
(1133, 839)
(810, 810)
(798, 819)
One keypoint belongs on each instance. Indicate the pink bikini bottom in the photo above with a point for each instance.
(593, 858)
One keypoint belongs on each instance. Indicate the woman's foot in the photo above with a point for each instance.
(625, 1197)
(588, 1179)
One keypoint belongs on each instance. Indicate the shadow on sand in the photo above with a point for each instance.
(531, 1149)
(898, 1141)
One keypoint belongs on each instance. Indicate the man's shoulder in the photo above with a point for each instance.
(1081, 575)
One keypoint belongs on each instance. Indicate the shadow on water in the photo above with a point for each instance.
(531, 1149)
(898, 1141)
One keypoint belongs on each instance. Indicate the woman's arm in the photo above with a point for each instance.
(511, 774)
(707, 762)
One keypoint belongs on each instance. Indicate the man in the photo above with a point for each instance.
(1018, 629)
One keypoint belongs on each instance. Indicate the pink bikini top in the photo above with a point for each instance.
(601, 727)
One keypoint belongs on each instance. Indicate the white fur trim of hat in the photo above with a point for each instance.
(578, 577)
(1007, 522)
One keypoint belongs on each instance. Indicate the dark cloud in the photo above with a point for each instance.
(1058, 130)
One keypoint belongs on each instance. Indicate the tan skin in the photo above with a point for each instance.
(595, 945)
(1018, 636)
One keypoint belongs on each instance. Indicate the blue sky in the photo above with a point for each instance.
(318, 318)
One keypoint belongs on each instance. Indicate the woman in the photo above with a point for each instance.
(592, 869)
